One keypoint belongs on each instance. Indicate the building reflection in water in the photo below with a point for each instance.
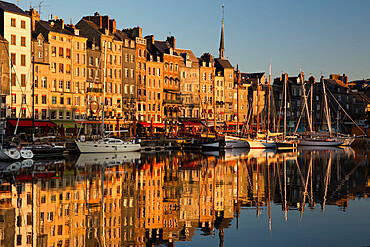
(160, 198)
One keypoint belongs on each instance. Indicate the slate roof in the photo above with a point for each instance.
(54, 28)
(10, 7)
(163, 47)
(122, 35)
(191, 55)
(223, 63)
(333, 83)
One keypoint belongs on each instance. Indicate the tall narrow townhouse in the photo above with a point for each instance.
(189, 84)
(206, 85)
(15, 27)
(226, 71)
(166, 50)
(154, 91)
(101, 31)
(220, 97)
(140, 72)
(128, 79)
(64, 102)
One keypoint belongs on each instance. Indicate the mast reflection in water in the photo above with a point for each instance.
(242, 196)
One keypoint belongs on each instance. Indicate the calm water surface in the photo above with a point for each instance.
(312, 197)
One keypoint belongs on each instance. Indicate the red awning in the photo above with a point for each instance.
(28, 123)
(155, 125)
(233, 123)
(191, 124)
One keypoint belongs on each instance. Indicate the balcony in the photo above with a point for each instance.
(94, 90)
(167, 101)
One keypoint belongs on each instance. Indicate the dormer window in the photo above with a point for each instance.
(39, 42)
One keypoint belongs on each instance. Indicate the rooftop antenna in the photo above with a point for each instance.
(41, 5)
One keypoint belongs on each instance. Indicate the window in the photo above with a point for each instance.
(68, 53)
(61, 52)
(68, 68)
(91, 61)
(61, 84)
(23, 60)
(14, 98)
(61, 68)
(23, 24)
(19, 239)
(43, 99)
(12, 22)
(23, 41)
(53, 67)
(53, 51)
(53, 100)
(131, 58)
(61, 114)
(13, 40)
(23, 80)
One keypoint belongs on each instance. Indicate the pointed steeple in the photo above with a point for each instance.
(222, 48)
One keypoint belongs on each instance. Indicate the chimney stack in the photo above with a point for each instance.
(172, 41)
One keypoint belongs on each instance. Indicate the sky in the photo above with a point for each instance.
(322, 37)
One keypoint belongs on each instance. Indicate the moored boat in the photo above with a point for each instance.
(107, 145)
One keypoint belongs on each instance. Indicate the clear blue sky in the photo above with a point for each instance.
(321, 36)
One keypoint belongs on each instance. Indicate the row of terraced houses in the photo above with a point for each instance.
(57, 72)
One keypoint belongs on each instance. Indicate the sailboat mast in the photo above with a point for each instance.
(258, 113)
(311, 114)
(237, 99)
(305, 101)
(285, 85)
(326, 108)
(268, 104)
(104, 79)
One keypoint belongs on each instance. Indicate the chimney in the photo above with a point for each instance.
(149, 41)
(34, 18)
(112, 25)
(137, 32)
(311, 80)
(59, 23)
(172, 41)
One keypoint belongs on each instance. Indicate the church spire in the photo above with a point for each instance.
(222, 48)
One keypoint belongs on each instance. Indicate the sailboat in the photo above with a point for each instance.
(105, 144)
(318, 140)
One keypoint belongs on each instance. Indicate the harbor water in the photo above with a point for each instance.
(240, 197)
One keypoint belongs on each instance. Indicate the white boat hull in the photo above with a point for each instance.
(261, 144)
(101, 147)
(319, 142)
(235, 142)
